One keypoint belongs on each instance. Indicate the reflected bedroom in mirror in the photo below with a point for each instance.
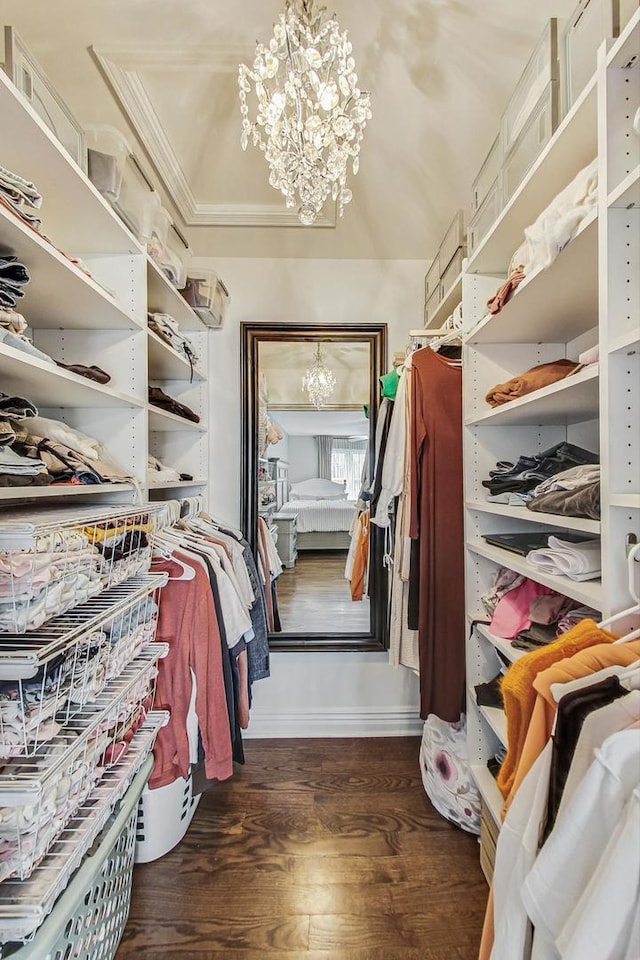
(309, 456)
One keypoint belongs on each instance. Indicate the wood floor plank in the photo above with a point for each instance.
(314, 596)
(327, 850)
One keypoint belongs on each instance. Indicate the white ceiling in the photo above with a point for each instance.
(284, 363)
(440, 73)
(315, 423)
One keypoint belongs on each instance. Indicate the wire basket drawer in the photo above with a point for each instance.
(89, 918)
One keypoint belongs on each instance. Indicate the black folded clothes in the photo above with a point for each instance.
(91, 373)
(528, 472)
(160, 399)
(489, 694)
(13, 277)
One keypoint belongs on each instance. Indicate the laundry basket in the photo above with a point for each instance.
(164, 816)
(88, 920)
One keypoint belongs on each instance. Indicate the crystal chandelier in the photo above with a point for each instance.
(311, 114)
(318, 381)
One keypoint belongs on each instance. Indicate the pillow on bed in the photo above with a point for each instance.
(318, 489)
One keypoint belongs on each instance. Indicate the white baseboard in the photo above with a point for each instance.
(359, 722)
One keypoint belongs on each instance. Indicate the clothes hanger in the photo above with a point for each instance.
(188, 573)
(633, 557)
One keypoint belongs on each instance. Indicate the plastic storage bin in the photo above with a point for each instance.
(108, 150)
(168, 249)
(432, 305)
(535, 135)
(541, 70)
(432, 280)
(164, 816)
(179, 253)
(452, 272)
(487, 176)
(89, 918)
(591, 22)
(207, 295)
(485, 217)
(453, 240)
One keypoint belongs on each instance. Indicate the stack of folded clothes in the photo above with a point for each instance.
(158, 472)
(14, 277)
(20, 196)
(572, 493)
(162, 400)
(13, 328)
(17, 469)
(534, 379)
(528, 613)
(577, 561)
(521, 479)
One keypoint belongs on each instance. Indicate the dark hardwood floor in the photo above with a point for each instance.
(314, 596)
(317, 849)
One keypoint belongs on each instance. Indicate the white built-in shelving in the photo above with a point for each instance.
(589, 295)
(92, 286)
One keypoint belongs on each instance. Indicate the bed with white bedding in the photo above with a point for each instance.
(323, 514)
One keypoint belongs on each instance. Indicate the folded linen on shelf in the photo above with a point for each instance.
(536, 378)
(16, 407)
(578, 561)
(91, 373)
(19, 189)
(571, 479)
(166, 327)
(12, 321)
(582, 502)
(158, 472)
(16, 465)
(504, 293)
(20, 342)
(530, 471)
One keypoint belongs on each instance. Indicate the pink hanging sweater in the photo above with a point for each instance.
(187, 622)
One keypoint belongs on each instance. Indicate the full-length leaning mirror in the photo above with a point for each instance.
(310, 406)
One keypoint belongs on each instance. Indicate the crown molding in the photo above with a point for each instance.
(122, 65)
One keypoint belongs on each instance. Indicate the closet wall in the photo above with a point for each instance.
(313, 694)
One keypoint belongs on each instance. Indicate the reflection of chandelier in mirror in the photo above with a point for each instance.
(311, 114)
(318, 381)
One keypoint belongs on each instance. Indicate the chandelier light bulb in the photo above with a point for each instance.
(318, 381)
(310, 112)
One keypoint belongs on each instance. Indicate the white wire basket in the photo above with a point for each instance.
(88, 919)
(40, 794)
(51, 561)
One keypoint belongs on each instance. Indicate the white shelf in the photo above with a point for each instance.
(571, 148)
(556, 304)
(572, 400)
(500, 643)
(166, 364)
(629, 501)
(51, 386)
(161, 420)
(59, 295)
(495, 717)
(627, 344)
(585, 592)
(627, 46)
(530, 516)
(447, 305)
(74, 214)
(164, 298)
(174, 484)
(627, 193)
(489, 792)
(71, 490)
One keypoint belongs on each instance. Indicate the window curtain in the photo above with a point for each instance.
(325, 446)
(347, 462)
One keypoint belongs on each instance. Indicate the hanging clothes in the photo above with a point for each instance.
(360, 557)
(437, 525)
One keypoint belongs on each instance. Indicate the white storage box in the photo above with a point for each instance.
(452, 272)
(168, 249)
(207, 295)
(432, 279)
(453, 240)
(160, 224)
(179, 254)
(591, 22)
(164, 816)
(541, 70)
(537, 132)
(432, 305)
(487, 176)
(485, 217)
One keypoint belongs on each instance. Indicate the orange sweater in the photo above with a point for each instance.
(520, 696)
(361, 557)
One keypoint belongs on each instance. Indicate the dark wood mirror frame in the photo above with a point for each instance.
(252, 334)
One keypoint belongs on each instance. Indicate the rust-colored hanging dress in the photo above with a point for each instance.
(438, 525)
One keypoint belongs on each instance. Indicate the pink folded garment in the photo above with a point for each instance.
(512, 612)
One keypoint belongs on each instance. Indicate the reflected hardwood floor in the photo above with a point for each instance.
(317, 849)
(314, 596)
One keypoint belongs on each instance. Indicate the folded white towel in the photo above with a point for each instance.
(578, 561)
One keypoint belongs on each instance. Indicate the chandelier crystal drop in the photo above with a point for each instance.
(311, 113)
(318, 381)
